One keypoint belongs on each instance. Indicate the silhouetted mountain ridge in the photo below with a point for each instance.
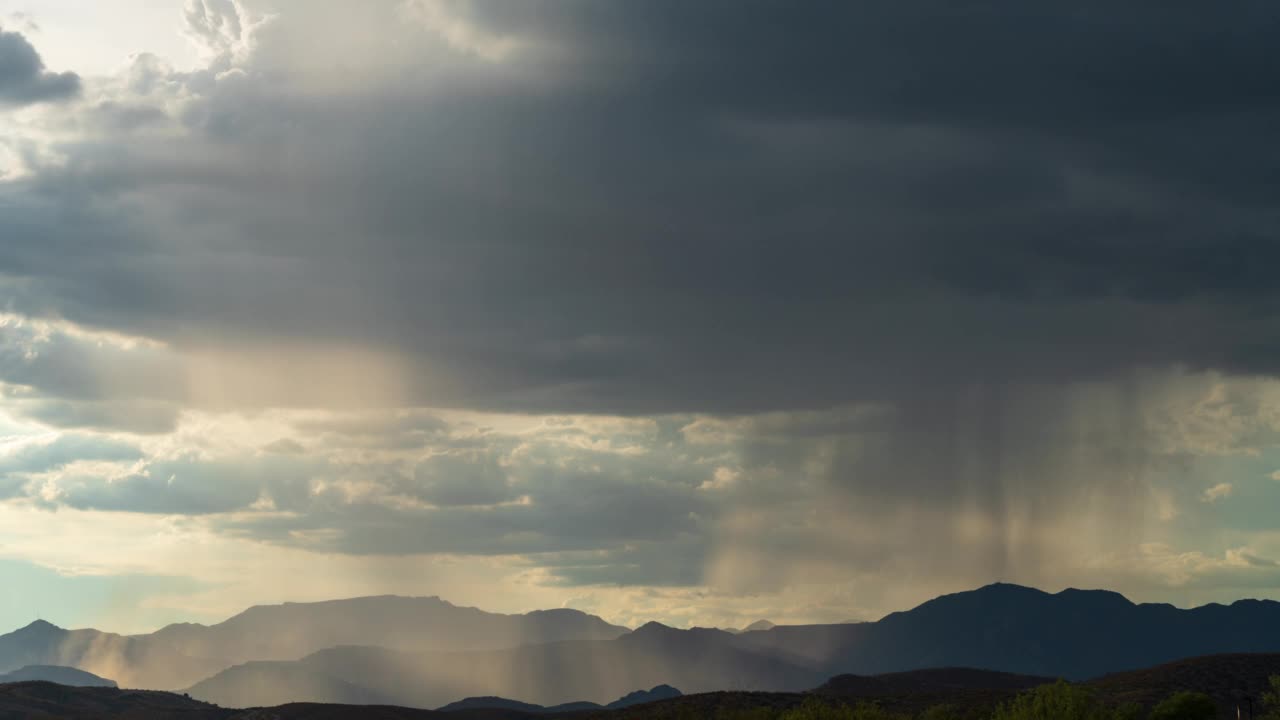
(1074, 634)
(925, 681)
(426, 652)
(639, 697)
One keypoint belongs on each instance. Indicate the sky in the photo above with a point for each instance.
(696, 312)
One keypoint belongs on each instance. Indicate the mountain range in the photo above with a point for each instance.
(425, 652)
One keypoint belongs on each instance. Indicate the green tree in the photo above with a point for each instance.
(1185, 705)
(940, 712)
(1271, 700)
(1058, 701)
(872, 711)
(814, 709)
(1127, 711)
(759, 713)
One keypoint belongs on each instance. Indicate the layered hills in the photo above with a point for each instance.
(427, 653)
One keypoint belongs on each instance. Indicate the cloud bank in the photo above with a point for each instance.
(666, 297)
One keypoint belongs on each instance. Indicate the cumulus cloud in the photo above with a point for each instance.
(743, 504)
(23, 77)
(222, 28)
(1218, 492)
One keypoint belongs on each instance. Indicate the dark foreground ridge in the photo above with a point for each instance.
(966, 693)
(639, 697)
(56, 674)
(40, 699)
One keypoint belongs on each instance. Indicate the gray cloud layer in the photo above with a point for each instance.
(905, 289)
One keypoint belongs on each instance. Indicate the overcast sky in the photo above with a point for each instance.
(692, 311)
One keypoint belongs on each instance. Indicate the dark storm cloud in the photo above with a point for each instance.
(697, 206)
(995, 61)
(23, 77)
(448, 480)
(705, 206)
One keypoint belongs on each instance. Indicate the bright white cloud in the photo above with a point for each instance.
(1218, 492)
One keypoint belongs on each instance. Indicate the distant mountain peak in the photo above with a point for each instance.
(659, 692)
(360, 599)
(1107, 596)
(759, 625)
(1013, 591)
(1254, 602)
(1088, 591)
(1004, 587)
(556, 611)
(490, 702)
(656, 634)
(39, 626)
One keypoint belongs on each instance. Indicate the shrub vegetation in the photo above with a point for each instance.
(1055, 701)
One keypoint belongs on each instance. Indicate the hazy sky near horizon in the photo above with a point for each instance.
(692, 311)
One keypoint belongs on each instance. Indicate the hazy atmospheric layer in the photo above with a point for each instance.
(701, 312)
